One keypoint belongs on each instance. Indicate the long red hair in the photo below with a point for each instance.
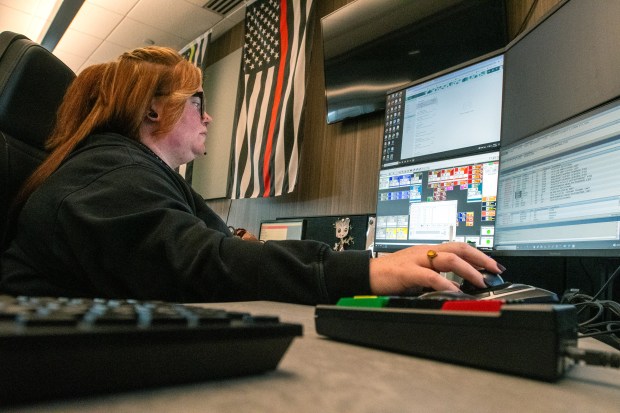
(115, 97)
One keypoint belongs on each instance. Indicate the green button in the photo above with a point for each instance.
(364, 301)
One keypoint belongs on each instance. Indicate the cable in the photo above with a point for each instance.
(527, 18)
(593, 357)
(228, 213)
(614, 275)
(606, 331)
(599, 332)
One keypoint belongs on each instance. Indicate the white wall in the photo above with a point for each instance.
(210, 174)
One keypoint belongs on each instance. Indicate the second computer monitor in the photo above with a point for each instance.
(558, 189)
(439, 166)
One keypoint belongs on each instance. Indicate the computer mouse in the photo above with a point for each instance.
(446, 295)
(490, 280)
(498, 289)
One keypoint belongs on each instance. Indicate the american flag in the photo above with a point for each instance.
(270, 98)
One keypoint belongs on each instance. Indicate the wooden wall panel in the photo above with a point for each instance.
(524, 14)
(339, 163)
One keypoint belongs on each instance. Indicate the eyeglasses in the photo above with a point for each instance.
(201, 96)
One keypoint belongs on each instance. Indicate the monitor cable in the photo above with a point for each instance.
(593, 357)
(594, 325)
(527, 18)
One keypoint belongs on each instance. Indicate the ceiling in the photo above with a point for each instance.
(104, 29)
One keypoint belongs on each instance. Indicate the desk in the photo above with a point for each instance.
(318, 375)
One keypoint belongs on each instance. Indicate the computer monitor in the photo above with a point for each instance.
(278, 230)
(452, 113)
(559, 191)
(438, 201)
(439, 165)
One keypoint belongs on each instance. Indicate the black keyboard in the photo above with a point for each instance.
(62, 347)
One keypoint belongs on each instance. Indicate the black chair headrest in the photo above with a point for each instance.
(32, 84)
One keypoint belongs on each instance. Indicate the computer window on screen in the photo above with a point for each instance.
(558, 190)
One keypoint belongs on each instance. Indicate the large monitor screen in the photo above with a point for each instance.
(439, 165)
(438, 201)
(558, 191)
(445, 116)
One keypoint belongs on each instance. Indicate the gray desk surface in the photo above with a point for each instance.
(320, 375)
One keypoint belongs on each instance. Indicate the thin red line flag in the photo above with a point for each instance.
(272, 84)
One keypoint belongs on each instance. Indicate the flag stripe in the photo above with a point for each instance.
(289, 172)
(196, 51)
(277, 96)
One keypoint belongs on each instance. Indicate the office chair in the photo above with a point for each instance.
(32, 84)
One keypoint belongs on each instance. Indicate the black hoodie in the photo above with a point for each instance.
(114, 221)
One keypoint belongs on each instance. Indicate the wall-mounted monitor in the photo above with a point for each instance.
(372, 46)
(558, 191)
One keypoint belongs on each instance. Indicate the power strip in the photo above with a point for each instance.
(523, 339)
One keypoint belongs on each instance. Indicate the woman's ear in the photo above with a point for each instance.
(155, 108)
